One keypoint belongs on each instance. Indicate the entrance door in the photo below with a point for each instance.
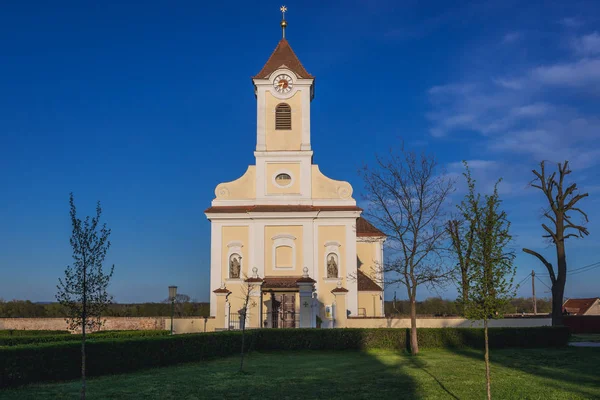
(287, 310)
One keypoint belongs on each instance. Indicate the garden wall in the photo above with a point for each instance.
(112, 323)
(445, 322)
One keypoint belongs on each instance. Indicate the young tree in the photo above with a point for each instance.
(491, 271)
(406, 198)
(82, 292)
(462, 235)
(246, 288)
(561, 201)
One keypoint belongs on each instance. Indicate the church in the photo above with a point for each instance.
(287, 240)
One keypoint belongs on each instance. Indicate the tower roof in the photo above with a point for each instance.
(283, 56)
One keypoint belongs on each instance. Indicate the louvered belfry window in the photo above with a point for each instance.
(283, 117)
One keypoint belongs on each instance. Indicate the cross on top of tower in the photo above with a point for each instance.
(283, 21)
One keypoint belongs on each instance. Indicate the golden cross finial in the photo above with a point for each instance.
(283, 21)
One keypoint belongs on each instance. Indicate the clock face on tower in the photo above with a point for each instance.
(283, 83)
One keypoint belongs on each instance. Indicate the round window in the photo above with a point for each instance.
(283, 179)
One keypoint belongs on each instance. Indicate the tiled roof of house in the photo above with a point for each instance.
(579, 306)
(366, 284)
(278, 208)
(364, 228)
(283, 282)
(339, 290)
(283, 55)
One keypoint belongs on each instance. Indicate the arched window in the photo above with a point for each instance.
(283, 117)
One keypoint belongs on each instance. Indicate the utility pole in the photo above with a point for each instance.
(533, 292)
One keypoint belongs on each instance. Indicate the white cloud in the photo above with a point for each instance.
(575, 74)
(511, 37)
(515, 84)
(531, 110)
(571, 22)
(587, 45)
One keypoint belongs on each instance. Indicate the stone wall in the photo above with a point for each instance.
(112, 323)
(191, 325)
(452, 322)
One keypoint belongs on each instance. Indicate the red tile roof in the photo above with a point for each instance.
(283, 282)
(364, 228)
(221, 290)
(579, 306)
(283, 55)
(278, 208)
(366, 284)
(339, 290)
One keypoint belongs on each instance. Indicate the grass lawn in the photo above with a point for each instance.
(585, 337)
(565, 373)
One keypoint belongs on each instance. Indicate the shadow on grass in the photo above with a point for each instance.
(564, 368)
(419, 363)
(269, 375)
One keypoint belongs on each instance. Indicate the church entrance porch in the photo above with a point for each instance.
(283, 311)
(282, 299)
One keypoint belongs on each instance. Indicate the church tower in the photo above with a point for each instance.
(291, 233)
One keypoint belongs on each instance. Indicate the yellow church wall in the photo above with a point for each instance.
(369, 304)
(281, 140)
(367, 254)
(241, 189)
(333, 233)
(231, 234)
(293, 169)
(273, 231)
(326, 188)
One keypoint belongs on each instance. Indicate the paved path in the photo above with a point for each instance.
(585, 344)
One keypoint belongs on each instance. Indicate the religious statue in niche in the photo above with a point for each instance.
(332, 266)
(235, 266)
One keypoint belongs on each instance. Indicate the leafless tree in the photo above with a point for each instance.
(462, 234)
(406, 196)
(562, 200)
(82, 291)
(246, 289)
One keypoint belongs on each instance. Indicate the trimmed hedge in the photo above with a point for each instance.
(22, 332)
(62, 361)
(22, 340)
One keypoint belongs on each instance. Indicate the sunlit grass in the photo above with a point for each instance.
(566, 373)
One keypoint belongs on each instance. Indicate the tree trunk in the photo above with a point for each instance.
(83, 361)
(487, 360)
(414, 343)
(243, 343)
(558, 288)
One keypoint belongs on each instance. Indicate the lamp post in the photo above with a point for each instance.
(172, 296)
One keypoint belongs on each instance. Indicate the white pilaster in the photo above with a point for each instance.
(351, 271)
(215, 264)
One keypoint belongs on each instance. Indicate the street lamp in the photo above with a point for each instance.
(172, 296)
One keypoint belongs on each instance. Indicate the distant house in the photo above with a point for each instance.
(582, 306)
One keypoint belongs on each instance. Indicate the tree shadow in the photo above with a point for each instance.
(417, 362)
(564, 368)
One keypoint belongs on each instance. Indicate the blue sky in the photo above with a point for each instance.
(128, 103)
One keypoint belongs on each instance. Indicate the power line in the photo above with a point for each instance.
(580, 271)
(586, 266)
(543, 283)
(524, 279)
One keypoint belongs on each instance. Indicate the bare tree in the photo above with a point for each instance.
(462, 235)
(406, 201)
(83, 290)
(246, 289)
(561, 202)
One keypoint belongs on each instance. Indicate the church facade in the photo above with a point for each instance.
(284, 233)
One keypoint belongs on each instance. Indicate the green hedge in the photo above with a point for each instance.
(61, 361)
(21, 332)
(21, 340)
